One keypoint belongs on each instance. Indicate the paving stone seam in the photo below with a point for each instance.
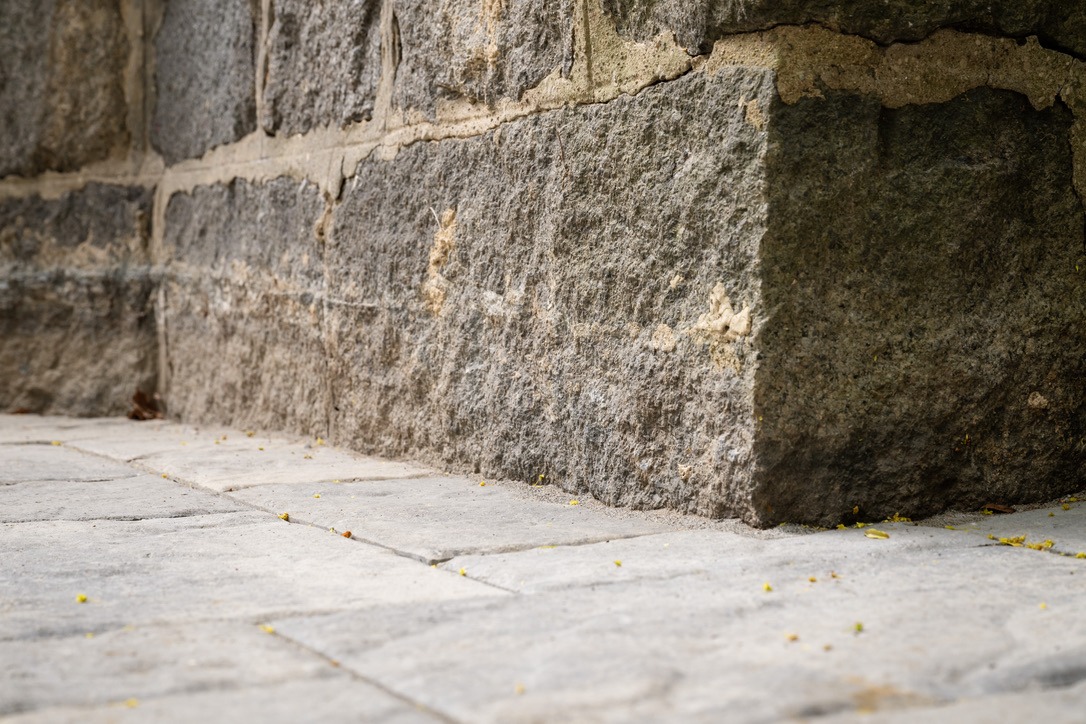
(371, 682)
(123, 518)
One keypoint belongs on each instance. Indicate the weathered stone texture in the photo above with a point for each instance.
(696, 25)
(204, 77)
(529, 302)
(77, 331)
(243, 313)
(62, 100)
(324, 63)
(480, 52)
(924, 344)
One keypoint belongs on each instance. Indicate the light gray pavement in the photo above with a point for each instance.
(503, 602)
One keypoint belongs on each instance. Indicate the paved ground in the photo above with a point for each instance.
(158, 572)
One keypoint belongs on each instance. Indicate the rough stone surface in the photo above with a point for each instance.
(922, 344)
(62, 100)
(77, 330)
(245, 272)
(543, 301)
(204, 69)
(324, 64)
(696, 25)
(456, 50)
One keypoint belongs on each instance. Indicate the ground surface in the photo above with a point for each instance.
(458, 601)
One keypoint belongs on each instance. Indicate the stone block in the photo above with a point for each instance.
(706, 298)
(204, 67)
(324, 64)
(243, 308)
(456, 50)
(62, 100)
(76, 314)
(696, 25)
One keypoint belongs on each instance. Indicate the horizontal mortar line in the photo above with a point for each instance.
(336, 663)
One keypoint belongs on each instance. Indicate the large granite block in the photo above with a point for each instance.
(62, 100)
(204, 65)
(324, 63)
(77, 328)
(480, 52)
(696, 25)
(706, 298)
(555, 298)
(243, 311)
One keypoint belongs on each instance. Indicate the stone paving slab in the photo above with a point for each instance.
(22, 463)
(242, 462)
(131, 498)
(232, 565)
(446, 516)
(937, 626)
(544, 611)
(147, 661)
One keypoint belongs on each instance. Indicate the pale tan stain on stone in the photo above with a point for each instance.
(720, 327)
(664, 339)
(435, 288)
(753, 114)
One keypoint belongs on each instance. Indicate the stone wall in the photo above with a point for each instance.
(734, 257)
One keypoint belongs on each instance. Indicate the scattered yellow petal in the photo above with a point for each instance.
(1051, 515)
(541, 476)
(320, 440)
(1072, 499)
(812, 579)
(858, 628)
(841, 526)
(307, 457)
(1081, 554)
(463, 571)
(861, 525)
(331, 530)
(950, 527)
(81, 598)
(518, 689)
(89, 635)
(249, 433)
(992, 537)
(216, 442)
(1042, 606)
(986, 511)
(482, 483)
(316, 495)
(131, 703)
(793, 637)
(827, 647)
(833, 574)
(873, 533)
(165, 475)
(574, 502)
(56, 443)
(618, 564)
(284, 516)
(333, 662)
(261, 448)
(898, 518)
(766, 587)
(1065, 506)
(856, 510)
(267, 628)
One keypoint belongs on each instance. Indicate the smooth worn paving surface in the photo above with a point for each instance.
(147, 575)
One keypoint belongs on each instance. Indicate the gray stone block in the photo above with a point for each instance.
(204, 77)
(479, 52)
(243, 313)
(324, 64)
(696, 25)
(76, 320)
(62, 100)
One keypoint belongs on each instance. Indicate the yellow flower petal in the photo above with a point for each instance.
(873, 533)
(81, 598)
(267, 628)
(284, 516)
(766, 587)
